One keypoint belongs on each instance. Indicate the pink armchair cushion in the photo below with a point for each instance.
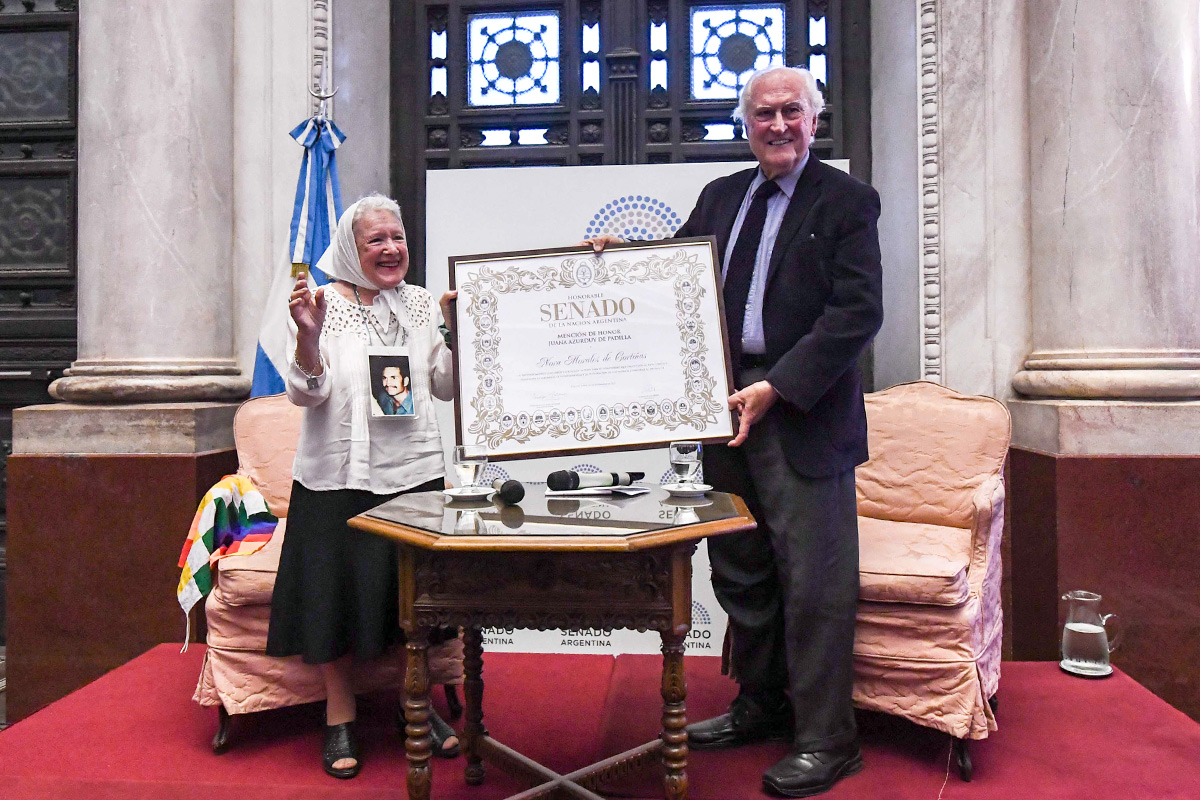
(236, 627)
(266, 431)
(913, 562)
(931, 447)
(250, 580)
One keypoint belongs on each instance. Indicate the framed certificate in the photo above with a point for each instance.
(564, 351)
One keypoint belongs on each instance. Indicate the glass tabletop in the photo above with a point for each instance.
(541, 515)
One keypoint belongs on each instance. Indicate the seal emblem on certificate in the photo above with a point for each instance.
(565, 351)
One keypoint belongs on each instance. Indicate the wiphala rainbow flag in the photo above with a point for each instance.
(232, 519)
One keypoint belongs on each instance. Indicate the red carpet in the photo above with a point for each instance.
(136, 734)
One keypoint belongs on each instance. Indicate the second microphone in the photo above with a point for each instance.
(567, 479)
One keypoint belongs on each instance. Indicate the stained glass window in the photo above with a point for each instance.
(728, 43)
(437, 74)
(658, 51)
(505, 138)
(590, 47)
(719, 131)
(816, 42)
(513, 59)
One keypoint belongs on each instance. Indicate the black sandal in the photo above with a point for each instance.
(439, 731)
(339, 744)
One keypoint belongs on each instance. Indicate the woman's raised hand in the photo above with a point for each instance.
(307, 309)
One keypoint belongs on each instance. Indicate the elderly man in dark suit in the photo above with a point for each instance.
(800, 259)
(803, 297)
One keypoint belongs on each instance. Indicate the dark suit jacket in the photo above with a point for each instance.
(822, 305)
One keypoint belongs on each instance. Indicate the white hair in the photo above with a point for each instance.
(374, 202)
(810, 93)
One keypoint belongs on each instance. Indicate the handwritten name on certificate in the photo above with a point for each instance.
(561, 351)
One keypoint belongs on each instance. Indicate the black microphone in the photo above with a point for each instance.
(569, 479)
(511, 492)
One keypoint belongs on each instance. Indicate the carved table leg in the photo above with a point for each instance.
(418, 744)
(674, 718)
(473, 693)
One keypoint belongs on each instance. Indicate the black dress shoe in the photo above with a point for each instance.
(339, 744)
(806, 774)
(749, 719)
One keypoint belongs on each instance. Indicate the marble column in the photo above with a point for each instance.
(1115, 166)
(155, 232)
(1102, 475)
(147, 424)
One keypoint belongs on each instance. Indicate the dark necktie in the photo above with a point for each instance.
(741, 266)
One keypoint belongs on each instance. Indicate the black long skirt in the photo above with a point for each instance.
(336, 591)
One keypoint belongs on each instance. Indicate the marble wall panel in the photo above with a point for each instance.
(362, 68)
(984, 169)
(894, 165)
(1123, 527)
(91, 587)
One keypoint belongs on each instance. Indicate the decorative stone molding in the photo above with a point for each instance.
(929, 116)
(320, 28)
(1111, 374)
(1113, 384)
(144, 381)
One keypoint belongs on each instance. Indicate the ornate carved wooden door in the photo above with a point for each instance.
(565, 82)
(38, 50)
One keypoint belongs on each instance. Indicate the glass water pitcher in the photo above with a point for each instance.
(1086, 644)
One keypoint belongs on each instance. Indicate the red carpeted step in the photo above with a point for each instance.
(1059, 737)
(136, 733)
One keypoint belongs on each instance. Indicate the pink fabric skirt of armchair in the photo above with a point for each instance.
(239, 675)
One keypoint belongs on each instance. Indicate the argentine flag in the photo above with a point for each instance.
(314, 216)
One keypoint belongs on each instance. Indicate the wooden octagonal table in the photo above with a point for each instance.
(572, 563)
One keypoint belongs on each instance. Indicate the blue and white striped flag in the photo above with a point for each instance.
(314, 216)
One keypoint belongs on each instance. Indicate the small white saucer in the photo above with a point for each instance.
(1103, 672)
(468, 492)
(687, 490)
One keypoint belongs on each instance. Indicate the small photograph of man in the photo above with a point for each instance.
(391, 387)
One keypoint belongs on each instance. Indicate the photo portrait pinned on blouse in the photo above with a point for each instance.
(391, 386)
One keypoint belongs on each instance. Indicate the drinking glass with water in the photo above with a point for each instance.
(685, 461)
(469, 462)
(1085, 642)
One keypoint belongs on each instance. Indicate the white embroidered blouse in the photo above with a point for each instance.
(341, 445)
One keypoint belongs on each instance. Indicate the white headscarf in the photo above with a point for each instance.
(341, 263)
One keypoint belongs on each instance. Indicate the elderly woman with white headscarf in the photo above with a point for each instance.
(336, 593)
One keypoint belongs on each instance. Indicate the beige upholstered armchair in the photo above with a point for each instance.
(238, 676)
(931, 516)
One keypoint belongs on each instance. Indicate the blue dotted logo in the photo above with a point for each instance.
(700, 614)
(491, 473)
(635, 218)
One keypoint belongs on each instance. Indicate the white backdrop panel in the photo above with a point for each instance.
(472, 211)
